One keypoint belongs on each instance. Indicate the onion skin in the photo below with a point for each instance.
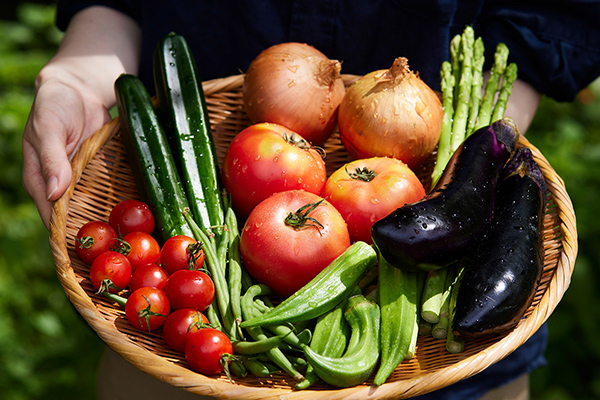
(295, 85)
(391, 113)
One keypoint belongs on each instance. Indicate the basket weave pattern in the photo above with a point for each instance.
(102, 177)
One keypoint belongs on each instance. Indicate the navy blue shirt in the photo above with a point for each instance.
(556, 45)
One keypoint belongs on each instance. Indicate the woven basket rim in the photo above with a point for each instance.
(178, 375)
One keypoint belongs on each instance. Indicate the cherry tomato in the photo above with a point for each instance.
(147, 308)
(267, 158)
(113, 266)
(130, 216)
(364, 191)
(180, 325)
(94, 238)
(150, 275)
(188, 288)
(205, 351)
(286, 257)
(140, 248)
(181, 252)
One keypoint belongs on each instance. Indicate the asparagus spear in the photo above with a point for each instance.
(454, 344)
(444, 153)
(461, 110)
(478, 60)
(440, 329)
(431, 300)
(491, 88)
(510, 75)
(456, 59)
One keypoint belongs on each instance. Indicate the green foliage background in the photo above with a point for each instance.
(47, 351)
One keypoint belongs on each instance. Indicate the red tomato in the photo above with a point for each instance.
(181, 252)
(150, 275)
(180, 325)
(94, 238)
(141, 249)
(189, 288)
(268, 158)
(112, 266)
(285, 257)
(205, 351)
(130, 216)
(364, 191)
(147, 308)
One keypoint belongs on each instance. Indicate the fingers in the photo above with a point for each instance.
(60, 119)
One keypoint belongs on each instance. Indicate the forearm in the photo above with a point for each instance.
(99, 45)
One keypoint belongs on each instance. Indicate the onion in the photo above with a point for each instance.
(391, 113)
(297, 86)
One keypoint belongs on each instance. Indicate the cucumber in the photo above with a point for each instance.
(183, 112)
(150, 157)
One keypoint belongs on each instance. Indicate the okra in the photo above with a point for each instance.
(359, 361)
(329, 338)
(398, 298)
(325, 291)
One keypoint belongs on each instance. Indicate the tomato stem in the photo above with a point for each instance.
(362, 174)
(300, 219)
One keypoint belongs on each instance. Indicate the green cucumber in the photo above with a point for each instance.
(182, 109)
(150, 157)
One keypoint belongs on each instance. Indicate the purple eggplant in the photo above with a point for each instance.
(500, 279)
(441, 228)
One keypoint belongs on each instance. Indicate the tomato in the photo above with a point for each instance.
(206, 350)
(285, 257)
(189, 288)
(112, 266)
(94, 238)
(181, 252)
(148, 275)
(364, 191)
(140, 248)
(130, 216)
(180, 325)
(267, 158)
(147, 308)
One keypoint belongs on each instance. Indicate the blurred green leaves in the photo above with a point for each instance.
(46, 349)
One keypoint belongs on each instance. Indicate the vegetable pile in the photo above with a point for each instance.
(326, 279)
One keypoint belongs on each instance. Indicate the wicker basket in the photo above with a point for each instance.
(102, 178)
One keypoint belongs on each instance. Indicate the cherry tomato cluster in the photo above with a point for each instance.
(166, 285)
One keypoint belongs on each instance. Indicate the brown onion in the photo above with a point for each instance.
(297, 86)
(391, 113)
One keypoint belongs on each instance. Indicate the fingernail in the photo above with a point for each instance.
(51, 187)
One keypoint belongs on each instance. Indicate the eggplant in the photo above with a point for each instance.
(441, 228)
(500, 279)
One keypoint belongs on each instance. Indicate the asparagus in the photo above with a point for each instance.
(456, 58)
(461, 107)
(454, 344)
(440, 329)
(491, 88)
(444, 151)
(510, 75)
(431, 301)
(478, 61)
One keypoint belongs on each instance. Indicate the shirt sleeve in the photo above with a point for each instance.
(555, 44)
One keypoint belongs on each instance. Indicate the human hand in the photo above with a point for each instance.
(62, 116)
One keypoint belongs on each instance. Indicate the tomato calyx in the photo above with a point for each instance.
(300, 219)
(146, 313)
(104, 290)
(121, 246)
(362, 174)
(86, 242)
(302, 144)
(194, 251)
